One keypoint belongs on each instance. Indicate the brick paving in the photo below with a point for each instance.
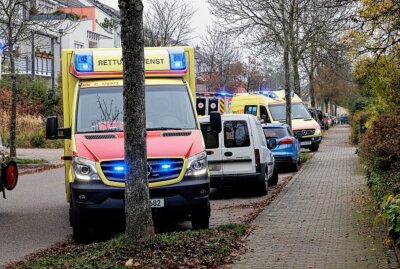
(315, 222)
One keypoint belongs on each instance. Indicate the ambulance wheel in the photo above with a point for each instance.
(314, 148)
(9, 176)
(274, 179)
(80, 229)
(201, 218)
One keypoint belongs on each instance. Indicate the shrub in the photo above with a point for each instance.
(380, 146)
(358, 127)
(380, 156)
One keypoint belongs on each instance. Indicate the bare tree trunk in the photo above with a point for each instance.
(311, 74)
(139, 223)
(312, 90)
(296, 75)
(286, 66)
(13, 116)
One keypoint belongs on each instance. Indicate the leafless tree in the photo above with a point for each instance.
(167, 22)
(263, 23)
(16, 25)
(139, 222)
(326, 23)
(219, 54)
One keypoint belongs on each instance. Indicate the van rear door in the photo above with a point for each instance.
(237, 147)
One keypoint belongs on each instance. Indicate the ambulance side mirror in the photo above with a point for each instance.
(215, 122)
(53, 132)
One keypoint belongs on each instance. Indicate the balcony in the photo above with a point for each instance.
(43, 66)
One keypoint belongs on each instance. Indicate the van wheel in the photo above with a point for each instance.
(201, 218)
(262, 185)
(80, 228)
(314, 148)
(274, 179)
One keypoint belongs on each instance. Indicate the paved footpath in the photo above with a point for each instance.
(315, 222)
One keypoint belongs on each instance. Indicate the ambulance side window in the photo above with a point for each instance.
(252, 110)
(264, 114)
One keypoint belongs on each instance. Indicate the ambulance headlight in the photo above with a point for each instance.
(177, 59)
(84, 169)
(197, 165)
(83, 61)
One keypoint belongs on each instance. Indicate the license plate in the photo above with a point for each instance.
(159, 202)
(305, 143)
(214, 167)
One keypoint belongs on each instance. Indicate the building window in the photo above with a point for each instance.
(78, 45)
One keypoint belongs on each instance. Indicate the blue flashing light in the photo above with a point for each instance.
(119, 169)
(270, 94)
(177, 59)
(83, 61)
(166, 166)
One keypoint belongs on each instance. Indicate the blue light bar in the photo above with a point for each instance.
(119, 168)
(166, 166)
(177, 59)
(83, 61)
(270, 94)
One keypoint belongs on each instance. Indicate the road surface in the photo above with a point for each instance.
(34, 215)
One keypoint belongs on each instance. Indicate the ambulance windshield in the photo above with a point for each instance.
(100, 109)
(299, 111)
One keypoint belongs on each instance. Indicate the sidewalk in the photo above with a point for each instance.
(315, 222)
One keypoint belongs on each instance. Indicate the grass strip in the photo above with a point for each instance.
(30, 161)
(209, 248)
(305, 156)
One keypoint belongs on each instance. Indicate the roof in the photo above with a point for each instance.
(274, 125)
(70, 3)
(112, 12)
(229, 116)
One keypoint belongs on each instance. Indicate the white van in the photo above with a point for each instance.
(240, 154)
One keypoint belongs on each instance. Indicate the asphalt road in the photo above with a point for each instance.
(34, 215)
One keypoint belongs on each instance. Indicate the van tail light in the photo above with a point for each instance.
(285, 141)
(257, 156)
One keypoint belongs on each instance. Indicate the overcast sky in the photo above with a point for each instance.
(200, 20)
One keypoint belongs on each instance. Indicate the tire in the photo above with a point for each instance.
(296, 166)
(261, 188)
(201, 218)
(80, 228)
(314, 148)
(274, 179)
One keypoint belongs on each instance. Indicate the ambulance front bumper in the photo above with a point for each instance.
(181, 198)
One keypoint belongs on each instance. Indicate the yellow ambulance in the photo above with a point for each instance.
(93, 131)
(270, 106)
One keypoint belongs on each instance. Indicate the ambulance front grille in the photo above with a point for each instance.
(158, 169)
(305, 132)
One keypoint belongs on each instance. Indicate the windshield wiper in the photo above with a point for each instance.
(162, 128)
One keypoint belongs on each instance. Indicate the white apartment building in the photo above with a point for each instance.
(40, 56)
